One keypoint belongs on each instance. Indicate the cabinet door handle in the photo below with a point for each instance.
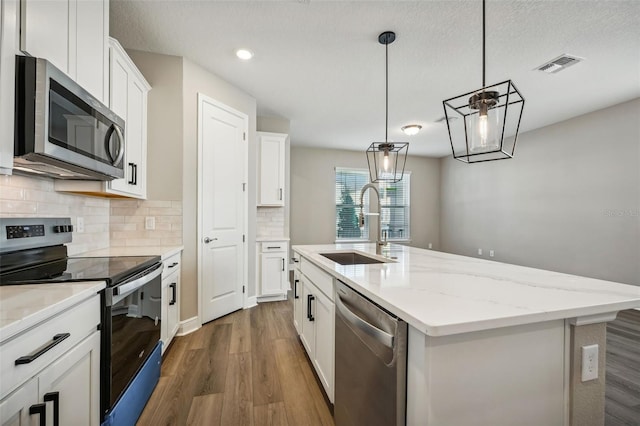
(41, 410)
(132, 166)
(295, 260)
(311, 299)
(309, 307)
(42, 349)
(280, 194)
(55, 397)
(135, 174)
(173, 265)
(173, 293)
(295, 289)
(283, 264)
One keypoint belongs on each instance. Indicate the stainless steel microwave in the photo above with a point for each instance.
(61, 130)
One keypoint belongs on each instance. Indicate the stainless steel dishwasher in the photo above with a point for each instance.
(371, 362)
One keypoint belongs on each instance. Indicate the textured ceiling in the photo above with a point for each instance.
(319, 64)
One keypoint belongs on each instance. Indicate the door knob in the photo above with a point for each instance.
(207, 240)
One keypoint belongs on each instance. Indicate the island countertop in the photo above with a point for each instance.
(442, 294)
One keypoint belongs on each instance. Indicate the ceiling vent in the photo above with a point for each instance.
(560, 63)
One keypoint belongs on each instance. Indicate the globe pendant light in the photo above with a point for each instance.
(490, 119)
(387, 159)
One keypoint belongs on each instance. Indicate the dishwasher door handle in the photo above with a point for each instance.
(373, 331)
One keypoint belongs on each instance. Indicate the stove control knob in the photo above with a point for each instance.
(60, 229)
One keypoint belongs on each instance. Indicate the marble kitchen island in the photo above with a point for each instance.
(489, 343)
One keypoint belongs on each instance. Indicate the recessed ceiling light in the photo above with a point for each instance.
(244, 54)
(411, 129)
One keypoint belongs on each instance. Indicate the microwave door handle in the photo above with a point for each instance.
(107, 138)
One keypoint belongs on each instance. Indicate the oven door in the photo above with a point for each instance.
(131, 330)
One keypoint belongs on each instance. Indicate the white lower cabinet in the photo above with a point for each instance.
(315, 313)
(170, 304)
(60, 383)
(274, 270)
(297, 301)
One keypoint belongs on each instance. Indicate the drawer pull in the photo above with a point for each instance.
(273, 247)
(295, 260)
(42, 349)
(55, 397)
(41, 410)
(174, 264)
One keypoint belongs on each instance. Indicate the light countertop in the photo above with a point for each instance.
(24, 306)
(268, 239)
(164, 252)
(441, 293)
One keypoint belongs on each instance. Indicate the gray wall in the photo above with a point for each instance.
(164, 123)
(313, 195)
(569, 201)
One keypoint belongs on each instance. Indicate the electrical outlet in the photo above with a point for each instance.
(150, 223)
(80, 224)
(589, 362)
(479, 252)
(430, 246)
(491, 253)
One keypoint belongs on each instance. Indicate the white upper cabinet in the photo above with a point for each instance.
(72, 35)
(128, 99)
(272, 168)
(128, 91)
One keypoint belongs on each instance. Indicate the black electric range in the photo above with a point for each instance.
(33, 251)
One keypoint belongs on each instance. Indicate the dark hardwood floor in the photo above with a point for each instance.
(247, 368)
(623, 370)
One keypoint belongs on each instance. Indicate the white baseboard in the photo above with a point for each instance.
(251, 302)
(188, 326)
(274, 298)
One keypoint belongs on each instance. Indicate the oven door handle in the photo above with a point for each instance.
(136, 284)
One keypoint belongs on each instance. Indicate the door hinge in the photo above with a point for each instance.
(242, 289)
(243, 238)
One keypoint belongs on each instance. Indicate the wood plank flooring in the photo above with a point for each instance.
(622, 405)
(247, 368)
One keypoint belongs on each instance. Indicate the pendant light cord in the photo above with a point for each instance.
(386, 92)
(483, 44)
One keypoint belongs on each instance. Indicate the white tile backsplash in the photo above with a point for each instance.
(270, 222)
(22, 196)
(128, 223)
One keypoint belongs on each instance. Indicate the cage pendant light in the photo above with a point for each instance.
(387, 159)
(490, 118)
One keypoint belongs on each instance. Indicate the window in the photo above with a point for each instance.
(394, 200)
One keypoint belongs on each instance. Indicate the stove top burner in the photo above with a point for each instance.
(109, 269)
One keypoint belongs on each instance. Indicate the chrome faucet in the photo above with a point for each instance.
(381, 242)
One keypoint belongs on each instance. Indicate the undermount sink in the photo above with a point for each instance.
(351, 258)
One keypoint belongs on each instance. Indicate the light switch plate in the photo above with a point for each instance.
(150, 223)
(589, 362)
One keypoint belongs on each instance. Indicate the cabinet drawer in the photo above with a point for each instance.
(318, 277)
(171, 265)
(274, 246)
(79, 322)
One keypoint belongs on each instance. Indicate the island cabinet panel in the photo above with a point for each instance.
(314, 311)
(506, 376)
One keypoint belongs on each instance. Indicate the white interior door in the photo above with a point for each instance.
(223, 159)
